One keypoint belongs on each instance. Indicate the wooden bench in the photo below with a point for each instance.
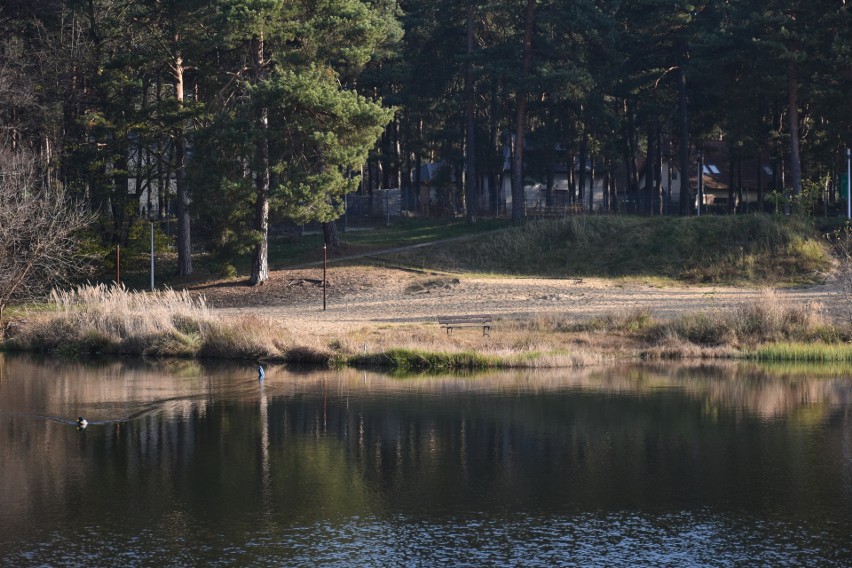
(450, 322)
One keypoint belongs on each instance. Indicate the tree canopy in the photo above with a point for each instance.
(234, 114)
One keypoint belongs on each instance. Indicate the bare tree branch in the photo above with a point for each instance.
(39, 227)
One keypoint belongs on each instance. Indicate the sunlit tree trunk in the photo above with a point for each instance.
(260, 259)
(184, 245)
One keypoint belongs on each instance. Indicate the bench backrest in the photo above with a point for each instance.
(443, 320)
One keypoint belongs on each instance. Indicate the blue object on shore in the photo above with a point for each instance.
(260, 374)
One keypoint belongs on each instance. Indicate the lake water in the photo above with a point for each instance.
(191, 464)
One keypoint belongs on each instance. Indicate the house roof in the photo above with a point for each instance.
(717, 167)
(718, 164)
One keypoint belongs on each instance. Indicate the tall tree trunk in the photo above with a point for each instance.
(495, 174)
(518, 200)
(647, 191)
(572, 175)
(184, 243)
(418, 181)
(633, 147)
(592, 165)
(658, 169)
(120, 186)
(397, 150)
(137, 180)
(470, 145)
(165, 189)
(683, 125)
(760, 180)
(793, 102)
(330, 235)
(581, 172)
(260, 260)
(732, 180)
(743, 205)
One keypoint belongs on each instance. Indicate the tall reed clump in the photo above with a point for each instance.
(112, 320)
(246, 337)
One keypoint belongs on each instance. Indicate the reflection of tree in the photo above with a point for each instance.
(303, 448)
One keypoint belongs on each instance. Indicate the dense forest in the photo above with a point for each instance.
(229, 115)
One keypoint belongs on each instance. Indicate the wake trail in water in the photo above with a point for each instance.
(236, 390)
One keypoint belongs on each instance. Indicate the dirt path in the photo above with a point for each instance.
(359, 297)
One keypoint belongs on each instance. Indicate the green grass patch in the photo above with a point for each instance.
(802, 352)
(414, 360)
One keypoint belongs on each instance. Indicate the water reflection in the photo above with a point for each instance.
(188, 461)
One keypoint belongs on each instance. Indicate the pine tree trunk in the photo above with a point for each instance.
(647, 192)
(184, 243)
(658, 171)
(731, 186)
(260, 260)
(795, 157)
(759, 180)
(470, 145)
(685, 190)
(518, 200)
(592, 184)
(331, 237)
(581, 171)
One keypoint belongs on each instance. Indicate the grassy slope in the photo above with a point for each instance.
(743, 249)
(755, 249)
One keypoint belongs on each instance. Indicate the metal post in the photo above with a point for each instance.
(324, 263)
(152, 256)
(848, 183)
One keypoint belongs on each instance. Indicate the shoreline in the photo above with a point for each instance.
(388, 318)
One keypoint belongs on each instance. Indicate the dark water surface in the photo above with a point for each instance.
(184, 464)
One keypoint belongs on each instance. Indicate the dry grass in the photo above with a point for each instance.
(768, 319)
(110, 319)
(100, 319)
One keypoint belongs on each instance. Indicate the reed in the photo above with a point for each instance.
(801, 352)
(100, 319)
(243, 337)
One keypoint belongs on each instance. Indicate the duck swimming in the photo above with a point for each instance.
(82, 423)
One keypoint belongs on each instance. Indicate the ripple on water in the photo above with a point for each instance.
(617, 539)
